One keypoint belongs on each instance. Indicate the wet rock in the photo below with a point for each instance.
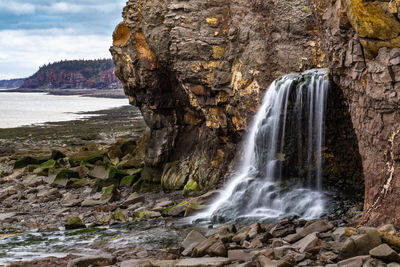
(142, 254)
(33, 182)
(133, 199)
(339, 234)
(279, 252)
(56, 155)
(177, 210)
(100, 260)
(386, 253)
(63, 177)
(146, 214)
(360, 244)
(354, 262)
(310, 243)
(283, 228)
(201, 249)
(242, 254)
(70, 200)
(5, 216)
(263, 261)
(82, 171)
(204, 262)
(192, 237)
(136, 263)
(191, 187)
(390, 235)
(74, 223)
(118, 217)
(287, 261)
(99, 172)
(318, 226)
(173, 178)
(109, 194)
(28, 161)
(48, 194)
(127, 181)
(160, 206)
(217, 249)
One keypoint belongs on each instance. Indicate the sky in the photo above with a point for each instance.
(37, 32)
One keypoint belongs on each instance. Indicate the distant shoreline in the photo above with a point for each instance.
(99, 93)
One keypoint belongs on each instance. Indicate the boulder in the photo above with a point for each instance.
(191, 187)
(160, 206)
(242, 254)
(354, 262)
(282, 228)
(201, 249)
(74, 223)
(109, 194)
(286, 261)
(384, 252)
(63, 177)
(360, 244)
(310, 243)
(203, 262)
(118, 217)
(100, 260)
(48, 194)
(390, 235)
(192, 237)
(318, 226)
(19, 164)
(217, 249)
(70, 200)
(99, 172)
(133, 199)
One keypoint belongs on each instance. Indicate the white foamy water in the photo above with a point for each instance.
(19, 109)
(257, 190)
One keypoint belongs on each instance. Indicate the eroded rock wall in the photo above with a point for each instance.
(361, 41)
(197, 70)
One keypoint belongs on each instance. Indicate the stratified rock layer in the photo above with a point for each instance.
(197, 70)
(360, 39)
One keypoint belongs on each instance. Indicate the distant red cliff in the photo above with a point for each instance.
(75, 74)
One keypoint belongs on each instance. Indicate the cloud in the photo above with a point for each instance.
(37, 32)
(62, 7)
(29, 49)
(18, 8)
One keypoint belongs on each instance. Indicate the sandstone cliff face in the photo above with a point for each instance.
(361, 41)
(197, 70)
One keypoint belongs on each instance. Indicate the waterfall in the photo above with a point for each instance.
(285, 141)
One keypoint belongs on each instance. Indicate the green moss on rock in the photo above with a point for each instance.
(63, 177)
(127, 180)
(190, 187)
(19, 164)
(74, 223)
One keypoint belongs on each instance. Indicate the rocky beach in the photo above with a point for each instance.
(260, 134)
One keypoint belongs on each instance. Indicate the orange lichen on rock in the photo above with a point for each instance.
(370, 21)
(121, 35)
(144, 52)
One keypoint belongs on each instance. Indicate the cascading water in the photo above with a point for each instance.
(258, 190)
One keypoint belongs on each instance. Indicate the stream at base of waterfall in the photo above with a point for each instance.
(293, 108)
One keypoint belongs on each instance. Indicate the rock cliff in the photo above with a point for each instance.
(361, 41)
(13, 83)
(197, 70)
(74, 74)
